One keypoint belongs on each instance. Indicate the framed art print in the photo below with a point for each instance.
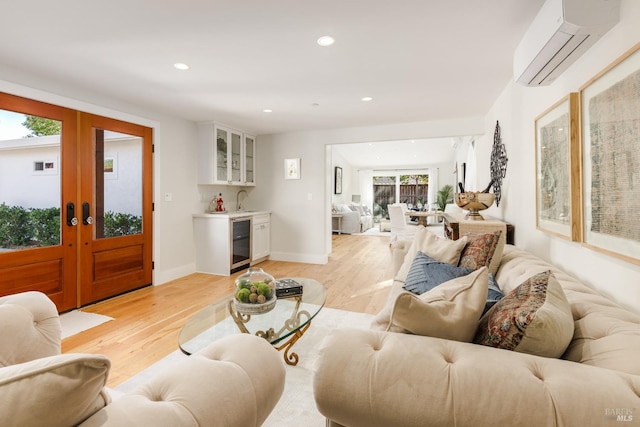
(337, 179)
(291, 168)
(610, 108)
(558, 169)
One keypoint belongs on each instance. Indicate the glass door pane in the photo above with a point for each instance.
(115, 209)
(222, 138)
(236, 152)
(30, 181)
(118, 184)
(248, 159)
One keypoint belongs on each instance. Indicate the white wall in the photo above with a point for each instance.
(516, 110)
(301, 214)
(298, 214)
(349, 179)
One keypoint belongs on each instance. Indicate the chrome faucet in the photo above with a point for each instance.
(238, 203)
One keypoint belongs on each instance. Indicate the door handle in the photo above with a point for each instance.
(86, 214)
(71, 215)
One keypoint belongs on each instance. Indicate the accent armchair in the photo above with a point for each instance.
(41, 387)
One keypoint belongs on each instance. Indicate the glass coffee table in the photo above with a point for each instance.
(282, 326)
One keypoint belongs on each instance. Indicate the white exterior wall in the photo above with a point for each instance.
(123, 187)
(20, 185)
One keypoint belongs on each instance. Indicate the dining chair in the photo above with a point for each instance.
(400, 230)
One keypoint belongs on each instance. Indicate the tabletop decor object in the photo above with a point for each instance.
(255, 292)
(474, 201)
(287, 288)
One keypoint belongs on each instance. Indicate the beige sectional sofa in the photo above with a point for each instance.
(235, 381)
(379, 378)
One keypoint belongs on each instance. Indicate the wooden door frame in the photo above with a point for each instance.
(93, 285)
(49, 269)
(61, 270)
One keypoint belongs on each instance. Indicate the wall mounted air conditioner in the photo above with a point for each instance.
(561, 32)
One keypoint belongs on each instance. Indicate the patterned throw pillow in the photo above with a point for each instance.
(534, 318)
(479, 250)
(426, 273)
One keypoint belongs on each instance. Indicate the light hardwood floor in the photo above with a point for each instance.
(147, 321)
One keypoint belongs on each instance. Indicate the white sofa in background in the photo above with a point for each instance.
(356, 218)
(235, 381)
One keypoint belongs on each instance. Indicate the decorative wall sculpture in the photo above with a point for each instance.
(498, 163)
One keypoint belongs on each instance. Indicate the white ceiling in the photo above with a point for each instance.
(409, 154)
(420, 60)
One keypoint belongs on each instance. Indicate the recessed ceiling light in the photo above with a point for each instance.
(267, 110)
(367, 99)
(181, 66)
(326, 41)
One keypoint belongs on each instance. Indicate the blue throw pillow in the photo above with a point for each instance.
(494, 295)
(426, 273)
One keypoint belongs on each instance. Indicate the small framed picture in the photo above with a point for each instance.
(111, 166)
(338, 180)
(291, 168)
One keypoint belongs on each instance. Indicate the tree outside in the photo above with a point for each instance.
(41, 126)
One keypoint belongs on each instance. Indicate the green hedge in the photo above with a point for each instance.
(21, 227)
(121, 224)
(15, 229)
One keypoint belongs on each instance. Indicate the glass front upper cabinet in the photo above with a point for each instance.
(236, 158)
(225, 156)
(249, 164)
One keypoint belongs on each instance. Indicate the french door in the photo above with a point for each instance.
(75, 203)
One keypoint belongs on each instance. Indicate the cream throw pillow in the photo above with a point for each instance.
(450, 310)
(442, 250)
(53, 391)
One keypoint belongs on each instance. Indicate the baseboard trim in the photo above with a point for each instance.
(161, 277)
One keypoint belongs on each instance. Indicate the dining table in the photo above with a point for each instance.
(423, 215)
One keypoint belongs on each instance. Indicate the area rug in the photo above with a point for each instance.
(296, 406)
(436, 229)
(77, 321)
(374, 231)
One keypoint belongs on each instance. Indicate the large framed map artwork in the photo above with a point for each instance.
(610, 109)
(558, 208)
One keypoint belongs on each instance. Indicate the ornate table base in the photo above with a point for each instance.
(296, 324)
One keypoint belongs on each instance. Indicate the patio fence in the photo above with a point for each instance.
(385, 194)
